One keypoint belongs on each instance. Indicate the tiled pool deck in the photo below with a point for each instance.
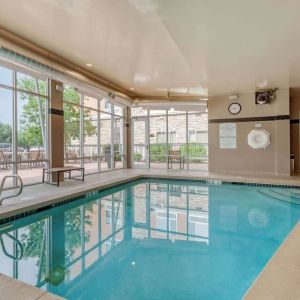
(12, 289)
(278, 280)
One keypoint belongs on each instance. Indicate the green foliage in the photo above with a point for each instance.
(194, 150)
(5, 133)
(73, 229)
(158, 152)
(137, 157)
(32, 120)
(32, 240)
(35, 235)
(72, 117)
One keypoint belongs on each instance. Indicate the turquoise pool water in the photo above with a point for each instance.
(150, 239)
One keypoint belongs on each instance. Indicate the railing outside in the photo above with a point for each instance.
(159, 152)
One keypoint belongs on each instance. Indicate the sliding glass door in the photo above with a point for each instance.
(140, 142)
(170, 139)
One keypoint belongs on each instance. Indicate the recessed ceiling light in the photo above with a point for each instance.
(89, 65)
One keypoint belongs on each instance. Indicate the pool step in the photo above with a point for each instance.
(281, 195)
(290, 193)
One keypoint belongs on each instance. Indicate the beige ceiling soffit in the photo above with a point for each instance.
(170, 98)
(27, 48)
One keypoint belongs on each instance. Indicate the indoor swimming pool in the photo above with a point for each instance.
(151, 239)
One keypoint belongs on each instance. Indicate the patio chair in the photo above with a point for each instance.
(72, 155)
(3, 160)
(175, 157)
(34, 155)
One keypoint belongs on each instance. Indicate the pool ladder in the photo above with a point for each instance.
(19, 254)
(2, 186)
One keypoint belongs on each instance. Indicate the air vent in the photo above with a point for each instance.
(15, 57)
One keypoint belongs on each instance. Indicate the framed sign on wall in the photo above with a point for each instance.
(227, 135)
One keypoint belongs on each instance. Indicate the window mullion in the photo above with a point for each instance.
(15, 125)
(81, 140)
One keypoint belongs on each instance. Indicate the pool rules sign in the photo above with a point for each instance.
(227, 135)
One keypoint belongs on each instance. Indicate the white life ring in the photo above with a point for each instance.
(259, 139)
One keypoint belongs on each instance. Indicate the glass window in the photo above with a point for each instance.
(31, 84)
(196, 136)
(172, 136)
(73, 234)
(72, 134)
(32, 135)
(161, 221)
(106, 141)
(105, 105)
(6, 76)
(71, 95)
(202, 137)
(6, 131)
(90, 102)
(157, 112)
(90, 142)
(108, 215)
(161, 137)
(91, 227)
(138, 112)
(118, 110)
(158, 146)
(118, 142)
(94, 136)
(198, 141)
(30, 153)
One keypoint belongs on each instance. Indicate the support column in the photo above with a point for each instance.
(128, 136)
(56, 126)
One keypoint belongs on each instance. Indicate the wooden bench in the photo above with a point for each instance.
(68, 169)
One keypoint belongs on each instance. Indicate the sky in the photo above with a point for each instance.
(5, 96)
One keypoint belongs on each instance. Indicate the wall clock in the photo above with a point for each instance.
(234, 108)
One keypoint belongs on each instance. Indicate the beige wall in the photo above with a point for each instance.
(274, 160)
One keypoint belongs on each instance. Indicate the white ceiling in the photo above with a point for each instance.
(209, 46)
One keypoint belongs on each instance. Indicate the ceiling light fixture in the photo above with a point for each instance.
(89, 65)
(132, 89)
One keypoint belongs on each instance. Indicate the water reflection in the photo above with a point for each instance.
(173, 211)
(65, 244)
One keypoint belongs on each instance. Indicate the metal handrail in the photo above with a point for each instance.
(11, 196)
